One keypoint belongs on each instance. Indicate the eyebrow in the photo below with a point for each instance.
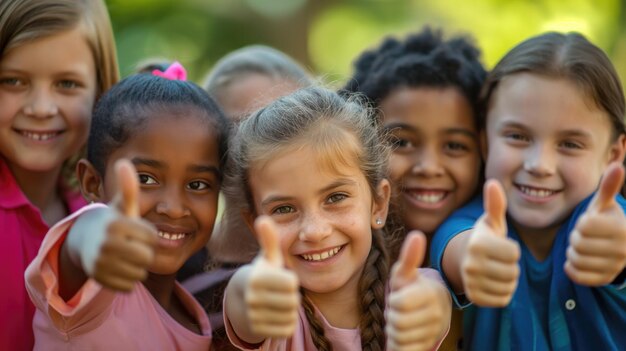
(567, 132)
(336, 184)
(454, 130)
(192, 168)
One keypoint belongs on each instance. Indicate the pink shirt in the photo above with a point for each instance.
(101, 319)
(21, 230)
(340, 339)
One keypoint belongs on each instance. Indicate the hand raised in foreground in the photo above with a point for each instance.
(489, 267)
(126, 250)
(271, 295)
(419, 308)
(597, 246)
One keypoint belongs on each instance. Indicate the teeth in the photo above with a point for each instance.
(429, 197)
(323, 255)
(39, 136)
(171, 236)
(536, 192)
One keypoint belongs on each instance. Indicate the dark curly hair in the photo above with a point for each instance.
(424, 59)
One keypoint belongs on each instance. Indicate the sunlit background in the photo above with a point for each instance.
(327, 35)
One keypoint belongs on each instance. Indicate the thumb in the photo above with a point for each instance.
(411, 258)
(268, 240)
(127, 197)
(495, 206)
(610, 185)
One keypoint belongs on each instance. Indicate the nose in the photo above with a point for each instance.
(173, 204)
(427, 163)
(314, 228)
(41, 103)
(539, 160)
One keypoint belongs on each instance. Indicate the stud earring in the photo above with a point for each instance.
(379, 221)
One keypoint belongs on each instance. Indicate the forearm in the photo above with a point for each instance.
(235, 306)
(84, 238)
(452, 258)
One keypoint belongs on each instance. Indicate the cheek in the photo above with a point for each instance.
(399, 165)
(466, 175)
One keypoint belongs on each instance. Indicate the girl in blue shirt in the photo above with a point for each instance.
(546, 245)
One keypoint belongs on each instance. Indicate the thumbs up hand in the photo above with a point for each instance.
(597, 246)
(271, 295)
(489, 268)
(419, 307)
(127, 248)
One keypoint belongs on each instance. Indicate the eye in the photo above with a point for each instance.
(285, 209)
(67, 84)
(147, 180)
(456, 146)
(198, 185)
(12, 82)
(334, 198)
(517, 137)
(400, 143)
(571, 145)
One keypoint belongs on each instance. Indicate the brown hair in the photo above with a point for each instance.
(23, 21)
(570, 56)
(340, 131)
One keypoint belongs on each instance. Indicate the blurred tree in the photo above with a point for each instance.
(327, 35)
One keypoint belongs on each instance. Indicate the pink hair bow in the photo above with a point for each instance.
(175, 71)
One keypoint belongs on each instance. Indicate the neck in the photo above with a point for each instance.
(161, 287)
(40, 188)
(341, 307)
(538, 241)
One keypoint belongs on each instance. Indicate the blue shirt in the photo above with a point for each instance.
(547, 311)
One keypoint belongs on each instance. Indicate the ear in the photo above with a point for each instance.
(380, 204)
(484, 147)
(617, 150)
(91, 183)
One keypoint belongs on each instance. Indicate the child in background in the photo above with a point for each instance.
(550, 249)
(56, 58)
(251, 77)
(426, 89)
(310, 168)
(175, 136)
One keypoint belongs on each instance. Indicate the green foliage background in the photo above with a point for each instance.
(327, 35)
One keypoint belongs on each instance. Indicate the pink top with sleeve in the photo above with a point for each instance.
(21, 231)
(97, 318)
(341, 339)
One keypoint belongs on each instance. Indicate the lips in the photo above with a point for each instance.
(536, 192)
(321, 255)
(425, 198)
(39, 135)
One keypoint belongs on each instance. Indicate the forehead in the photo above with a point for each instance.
(301, 170)
(544, 101)
(177, 140)
(63, 51)
(249, 92)
(428, 108)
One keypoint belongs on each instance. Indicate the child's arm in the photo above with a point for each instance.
(483, 262)
(262, 298)
(420, 308)
(597, 252)
(112, 245)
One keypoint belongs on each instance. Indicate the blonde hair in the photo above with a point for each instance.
(23, 21)
(341, 131)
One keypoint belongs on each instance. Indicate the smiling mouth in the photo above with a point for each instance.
(39, 136)
(320, 256)
(427, 196)
(171, 236)
(536, 192)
